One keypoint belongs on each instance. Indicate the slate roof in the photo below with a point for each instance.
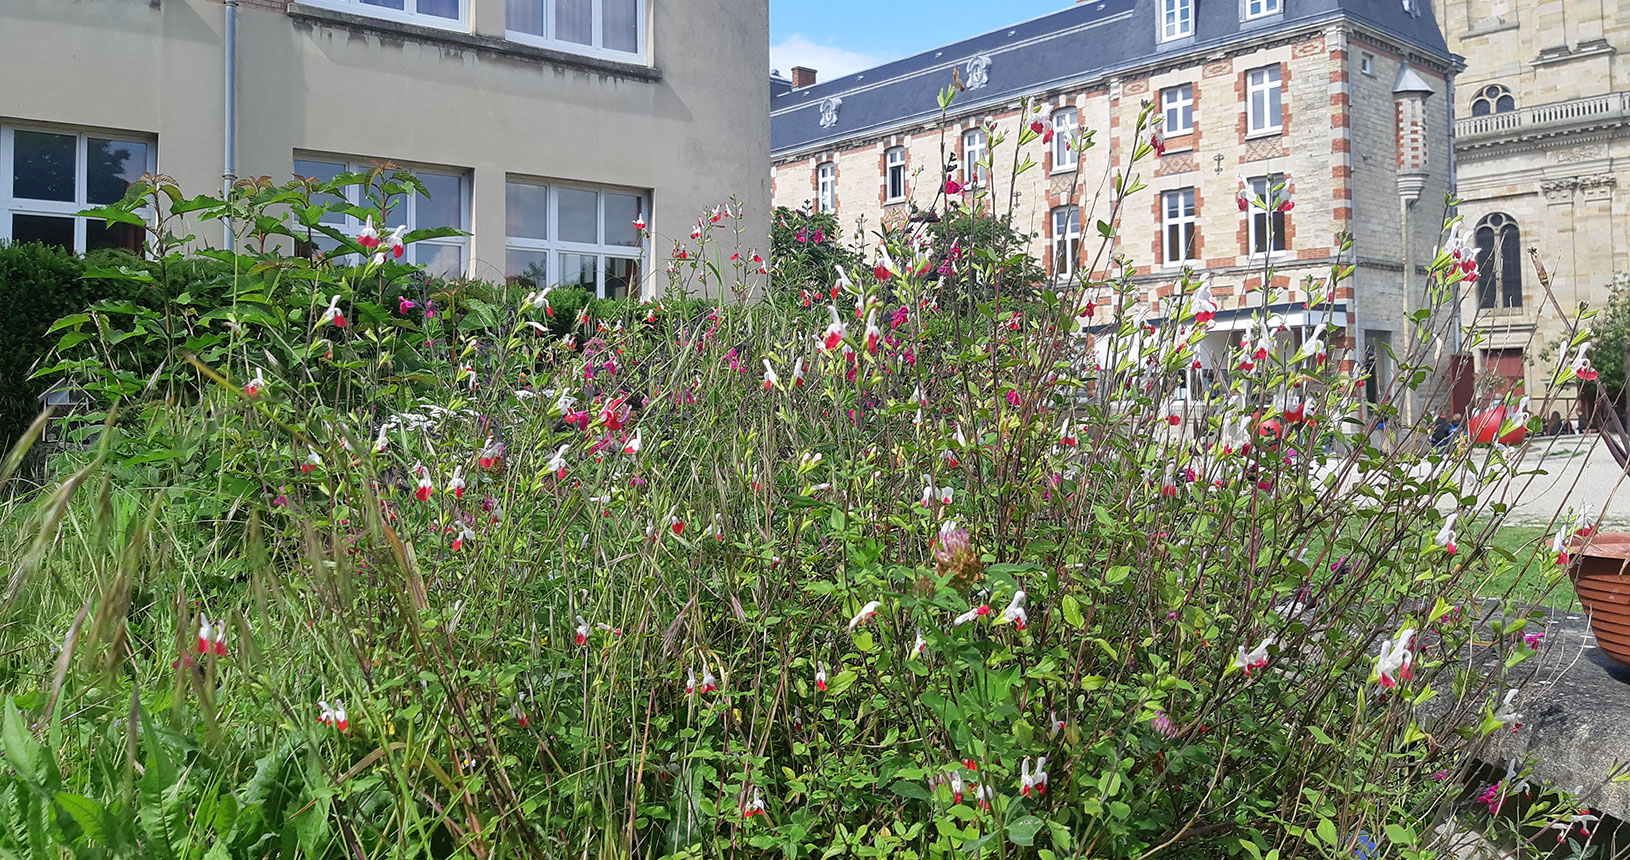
(1085, 41)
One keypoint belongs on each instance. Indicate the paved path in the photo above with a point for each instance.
(1577, 471)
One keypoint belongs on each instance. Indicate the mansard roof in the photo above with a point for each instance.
(1089, 40)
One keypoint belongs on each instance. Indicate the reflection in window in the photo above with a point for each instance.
(53, 175)
(570, 235)
(1499, 262)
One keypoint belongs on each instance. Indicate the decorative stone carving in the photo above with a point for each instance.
(978, 70)
(1599, 187)
(1574, 155)
(1559, 191)
(829, 111)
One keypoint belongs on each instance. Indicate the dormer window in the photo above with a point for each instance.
(1262, 8)
(1176, 19)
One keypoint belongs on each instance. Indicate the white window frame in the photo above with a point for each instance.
(403, 210)
(1066, 223)
(1366, 63)
(554, 247)
(1259, 220)
(11, 205)
(975, 149)
(1269, 84)
(1262, 8)
(409, 14)
(596, 49)
(826, 187)
(894, 159)
(1176, 19)
(1186, 215)
(1174, 102)
(1066, 124)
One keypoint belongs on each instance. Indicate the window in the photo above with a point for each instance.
(1065, 123)
(446, 14)
(1176, 19)
(1066, 239)
(1263, 108)
(1509, 367)
(1267, 229)
(894, 174)
(826, 187)
(1177, 225)
(1493, 99)
(614, 29)
(447, 206)
(1258, 8)
(1366, 64)
(1499, 263)
(975, 149)
(1177, 103)
(46, 177)
(574, 236)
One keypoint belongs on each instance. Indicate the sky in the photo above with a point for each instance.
(837, 37)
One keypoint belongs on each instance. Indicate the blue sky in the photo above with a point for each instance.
(836, 37)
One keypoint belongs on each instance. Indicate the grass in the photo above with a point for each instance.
(1532, 575)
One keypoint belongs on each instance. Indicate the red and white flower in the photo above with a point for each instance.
(1559, 546)
(820, 677)
(873, 334)
(1586, 522)
(979, 611)
(866, 613)
(634, 443)
(836, 331)
(255, 385)
(919, 645)
(1067, 434)
(1014, 613)
(1205, 307)
(463, 535)
(211, 637)
(1445, 537)
(368, 238)
(1395, 662)
(581, 634)
(312, 461)
(755, 806)
(798, 371)
(557, 463)
(1254, 659)
(425, 488)
(771, 378)
(333, 717)
(675, 524)
(1507, 715)
(491, 452)
(456, 483)
(1581, 368)
(333, 314)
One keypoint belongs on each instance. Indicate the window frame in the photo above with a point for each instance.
(1169, 104)
(826, 187)
(1493, 99)
(1267, 8)
(1272, 221)
(1495, 266)
(1366, 63)
(401, 16)
(1069, 235)
(597, 49)
(11, 204)
(1066, 124)
(975, 174)
(1176, 20)
(350, 225)
(1187, 217)
(555, 247)
(890, 165)
(1272, 89)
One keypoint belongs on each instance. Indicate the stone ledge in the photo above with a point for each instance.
(303, 12)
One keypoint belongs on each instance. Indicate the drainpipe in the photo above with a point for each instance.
(229, 83)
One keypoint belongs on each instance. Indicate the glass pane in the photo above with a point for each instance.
(578, 270)
(439, 8)
(44, 168)
(574, 21)
(322, 171)
(440, 261)
(578, 215)
(444, 207)
(43, 228)
(110, 168)
(530, 268)
(99, 234)
(621, 210)
(387, 4)
(528, 211)
(622, 277)
(526, 16)
(619, 26)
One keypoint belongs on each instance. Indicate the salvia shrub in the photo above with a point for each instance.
(895, 575)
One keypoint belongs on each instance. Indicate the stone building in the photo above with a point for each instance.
(1542, 142)
(1343, 100)
(542, 127)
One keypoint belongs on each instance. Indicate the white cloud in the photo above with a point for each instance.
(829, 60)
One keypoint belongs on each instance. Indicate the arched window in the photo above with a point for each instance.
(1499, 263)
(1493, 99)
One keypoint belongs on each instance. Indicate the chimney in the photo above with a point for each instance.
(802, 76)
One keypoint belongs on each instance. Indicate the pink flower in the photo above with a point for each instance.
(405, 304)
(1012, 397)
(1164, 726)
(952, 187)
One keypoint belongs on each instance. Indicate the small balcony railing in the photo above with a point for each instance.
(1592, 109)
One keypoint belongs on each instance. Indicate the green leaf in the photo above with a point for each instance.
(1327, 832)
(1023, 831)
(30, 759)
(88, 814)
(913, 790)
(1072, 612)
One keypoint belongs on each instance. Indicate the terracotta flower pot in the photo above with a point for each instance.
(1601, 578)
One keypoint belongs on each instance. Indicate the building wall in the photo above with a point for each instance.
(329, 84)
(1559, 164)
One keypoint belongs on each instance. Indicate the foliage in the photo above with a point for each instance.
(973, 227)
(806, 248)
(1612, 326)
(700, 580)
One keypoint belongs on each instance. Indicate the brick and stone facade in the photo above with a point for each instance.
(1542, 144)
(1357, 158)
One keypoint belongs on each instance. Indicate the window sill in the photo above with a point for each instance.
(1264, 133)
(1276, 255)
(1197, 265)
(1060, 171)
(394, 29)
(894, 201)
